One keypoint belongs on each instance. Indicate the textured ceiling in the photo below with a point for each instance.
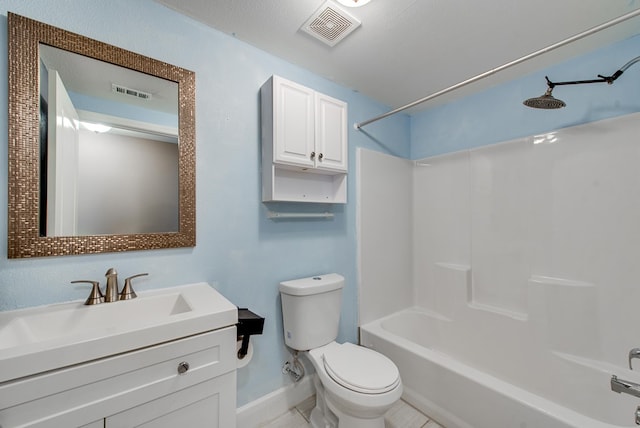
(408, 49)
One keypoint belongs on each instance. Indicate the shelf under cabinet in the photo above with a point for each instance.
(290, 185)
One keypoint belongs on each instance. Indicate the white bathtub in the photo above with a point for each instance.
(458, 395)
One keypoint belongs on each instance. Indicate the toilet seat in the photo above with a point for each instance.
(360, 369)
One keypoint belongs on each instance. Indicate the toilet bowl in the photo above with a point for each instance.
(355, 386)
(358, 384)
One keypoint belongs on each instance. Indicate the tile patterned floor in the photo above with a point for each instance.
(401, 415)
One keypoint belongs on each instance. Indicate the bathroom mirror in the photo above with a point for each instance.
(101, 146)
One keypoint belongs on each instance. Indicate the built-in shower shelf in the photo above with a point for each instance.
(454, 266)
(562, 282)
(519, 316)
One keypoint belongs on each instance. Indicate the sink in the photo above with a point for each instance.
(38, 339)
(69, 320)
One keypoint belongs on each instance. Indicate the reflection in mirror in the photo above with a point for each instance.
(101, 146)
(111, 157)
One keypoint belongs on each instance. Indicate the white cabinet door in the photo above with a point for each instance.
(210, 404)
(331, 133)
(293, 123)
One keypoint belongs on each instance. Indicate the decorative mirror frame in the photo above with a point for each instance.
(24, 238)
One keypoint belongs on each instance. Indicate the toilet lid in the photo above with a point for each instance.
(360, 369)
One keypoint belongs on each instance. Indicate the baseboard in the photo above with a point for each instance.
(274, 404)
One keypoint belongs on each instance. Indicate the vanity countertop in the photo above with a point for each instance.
(35, 340)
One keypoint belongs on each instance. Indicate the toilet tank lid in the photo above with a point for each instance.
(312, 285)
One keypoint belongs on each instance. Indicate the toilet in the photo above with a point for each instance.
(355, 386)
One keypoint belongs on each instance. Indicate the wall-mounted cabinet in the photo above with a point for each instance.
(304, 144)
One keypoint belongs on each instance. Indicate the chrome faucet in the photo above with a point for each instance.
(634, 353)
(111, 291)
(625, 386)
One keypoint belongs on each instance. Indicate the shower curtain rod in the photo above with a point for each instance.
(549, 48)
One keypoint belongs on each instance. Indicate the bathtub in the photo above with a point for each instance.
(458, 394)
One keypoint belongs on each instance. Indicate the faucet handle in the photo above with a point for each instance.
(96, 295)
(127, 291)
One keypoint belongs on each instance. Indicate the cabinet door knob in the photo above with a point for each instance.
(183, 367)
(320, 156)
(313, 155)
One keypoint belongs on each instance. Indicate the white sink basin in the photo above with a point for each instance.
(37, 339)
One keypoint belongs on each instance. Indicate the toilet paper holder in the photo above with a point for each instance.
(248, 323)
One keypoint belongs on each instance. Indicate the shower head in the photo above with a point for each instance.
(546, 101)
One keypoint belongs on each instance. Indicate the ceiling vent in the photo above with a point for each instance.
(123, 90)
(330, 24)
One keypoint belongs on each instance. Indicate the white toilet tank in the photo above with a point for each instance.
(311, 310)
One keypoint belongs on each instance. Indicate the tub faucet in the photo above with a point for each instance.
(111, 292)
(634, 353)
(626, 386)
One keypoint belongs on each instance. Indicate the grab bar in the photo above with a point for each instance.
(625, 386)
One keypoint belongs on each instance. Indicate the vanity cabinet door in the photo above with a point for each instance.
(144, 383)
(207, 404)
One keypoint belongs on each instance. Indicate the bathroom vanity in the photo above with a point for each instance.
(166, 358)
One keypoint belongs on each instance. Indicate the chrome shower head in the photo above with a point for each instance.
(546, 101)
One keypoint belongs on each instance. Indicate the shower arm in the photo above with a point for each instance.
(602, 79)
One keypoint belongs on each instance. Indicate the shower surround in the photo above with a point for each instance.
(522, 265)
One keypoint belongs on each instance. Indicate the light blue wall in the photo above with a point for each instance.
(497, 114)
(242, 253)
